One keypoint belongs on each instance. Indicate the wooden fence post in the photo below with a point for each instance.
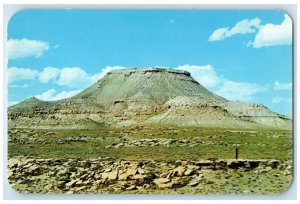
(236, 153)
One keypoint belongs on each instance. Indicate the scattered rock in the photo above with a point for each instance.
(80, 188)
(140, 171)
(133, 187)
(178, 171)
(166, 185)
(146, 186)
(210, 182)
(235, 164)
(62, 172)
(268, 168)
(71, 183)
(189, 172)
(161, 181)
(75, 176)
(131, 142)
(110, 175)
(139, 177)
(13, 163)
(194, 182)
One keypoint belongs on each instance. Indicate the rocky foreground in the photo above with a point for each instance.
(107, 176)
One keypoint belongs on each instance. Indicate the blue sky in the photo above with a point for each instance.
(241, 55)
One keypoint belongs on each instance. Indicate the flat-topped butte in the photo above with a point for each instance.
(145, 70)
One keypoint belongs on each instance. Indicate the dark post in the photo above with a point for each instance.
(236, 153)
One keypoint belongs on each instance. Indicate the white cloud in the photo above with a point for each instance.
(52, 95)
(242, 27)
(239, 90)
(282, 86)
(46, 96)
(15, 74)
(73, 77)
(281, 100)
(66, 94)
(271, 34)
(218, 34)
(49, 73)
(245, 26)
(20, 48)
(209, 78)
(18, 86)
(205, 75)
(266, 35)
(103, 72)
(76, 77)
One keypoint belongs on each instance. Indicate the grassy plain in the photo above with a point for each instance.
(208, 143)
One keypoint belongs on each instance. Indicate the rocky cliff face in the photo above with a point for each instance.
(145, 96)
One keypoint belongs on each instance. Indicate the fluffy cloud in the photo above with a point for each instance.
(20, 48)
(282, 86)
(46, 95)
(241, 27)
(18, 86)
(205, 75)
(281, 100)
(15, 74)
(239, 90)
(209, 78)
(49, 73)
(266, 35)
(271, 34)
(66, 94)
(72, 77)
(218, 34)
(52, 95)
(103, 72)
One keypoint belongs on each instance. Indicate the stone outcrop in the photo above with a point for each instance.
(106, 175)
